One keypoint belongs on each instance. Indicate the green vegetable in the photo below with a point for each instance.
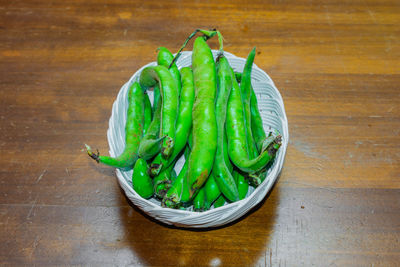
(212, 191)
(183, 123)
(178, 193)
(220, 171)
(245, 89)
(219, 202)
(198, 201)
(237, 141)
(157, 98)
(149, 77)
(150, 144)
(238, 76)
(256, 122)
(162, 182)
(164, 58)
(133, 132)
(147, 113)
(201, 158)
(141, 181)
(241, 183)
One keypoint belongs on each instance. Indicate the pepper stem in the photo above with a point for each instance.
(207, 34)
(254, 179)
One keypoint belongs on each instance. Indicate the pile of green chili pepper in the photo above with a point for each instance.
(206, 112)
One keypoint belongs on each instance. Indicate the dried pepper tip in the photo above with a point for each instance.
(171, 202)
(168, 146)
(274, 146)
(91, 154)
(155, 169)
(254, 179)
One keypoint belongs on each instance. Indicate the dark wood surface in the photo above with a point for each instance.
(336, 64)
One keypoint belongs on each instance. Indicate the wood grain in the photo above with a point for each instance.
(336, 64)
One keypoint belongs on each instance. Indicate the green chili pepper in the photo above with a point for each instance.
(257, 130)
(147, 114)
(164, 58)
(188, 148)
(150, 144)
(160, 186)
(199, 201)
(226, 155)
(173, 174)
(241, 183)
(237, 142)
(183, 123)
(162, 182)
(259, 138)
(178, 193)
(157, 97)
(245, 88)
(238, 76)
(256, 119)
(212, 191)
(201, 158)
(169, 95)
(141, 181)
(133, 132)
(190, 140)
(247, 93)
(220, 171)
(256, 122)
(219, 202)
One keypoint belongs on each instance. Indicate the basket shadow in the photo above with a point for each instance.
(241, 242)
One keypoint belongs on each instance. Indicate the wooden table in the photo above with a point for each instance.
(336, 64)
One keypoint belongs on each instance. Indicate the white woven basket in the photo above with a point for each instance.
(274, 118)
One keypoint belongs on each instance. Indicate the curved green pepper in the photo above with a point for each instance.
(237, 141)
(256, 122)
(133, 132)
(183, 123)
(245, 88)
(220, 171)
(150, 144)
(149, 77)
